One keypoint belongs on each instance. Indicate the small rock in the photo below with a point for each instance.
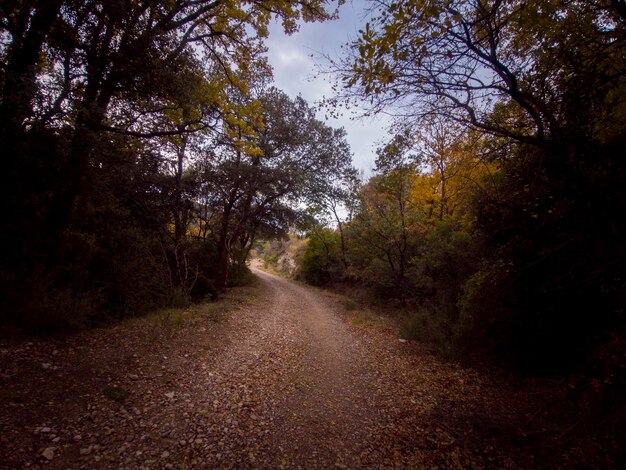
(170, 395)
(56, 440)
(45, 429)
(46, 365)
(165, 454)
(133, 376)
(85, 451)
(402, 340)
(48, 453)
(78, 437)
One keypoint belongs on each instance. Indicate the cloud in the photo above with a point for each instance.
(294, 58)
(290, 57)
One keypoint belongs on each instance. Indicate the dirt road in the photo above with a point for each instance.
(278, 377)
(329, 414)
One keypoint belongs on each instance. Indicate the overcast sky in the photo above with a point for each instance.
(294, 60)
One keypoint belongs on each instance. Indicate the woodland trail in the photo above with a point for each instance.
(282, 377)
(328, 417)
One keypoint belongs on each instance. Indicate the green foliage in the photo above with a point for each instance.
(553, 281)
(321, 263)
(102, 107)
(429, 326)
(526, 260)
(239, 275)
(446, 258)
(364, 316)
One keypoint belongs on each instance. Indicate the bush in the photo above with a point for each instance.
(513, 314)
(428, 326)
(239, 275)
(321, 262)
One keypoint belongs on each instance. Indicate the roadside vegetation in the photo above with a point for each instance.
(148, 155)
(491, 226)
(493, 212)
(146, 152)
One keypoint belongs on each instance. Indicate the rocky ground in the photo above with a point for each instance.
(275, 376)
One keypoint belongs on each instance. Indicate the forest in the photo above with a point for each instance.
(460, 306)
(146, 152)
(494, 214)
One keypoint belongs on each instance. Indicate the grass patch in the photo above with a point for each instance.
(167, 318)
(363, 317)
(239, 295)
(427, 327)
(172, 321)
(350, 305)
(232, 297)
(174, 318)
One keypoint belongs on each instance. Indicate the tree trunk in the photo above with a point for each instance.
(342, 238)
(20, 73)
(221, 271)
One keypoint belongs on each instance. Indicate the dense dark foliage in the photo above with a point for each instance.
(500, 218)
(140, 152)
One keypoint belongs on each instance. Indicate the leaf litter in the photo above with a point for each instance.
(275, 377)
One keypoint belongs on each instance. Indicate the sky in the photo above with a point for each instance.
(294, 60)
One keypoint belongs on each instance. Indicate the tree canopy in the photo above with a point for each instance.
(107, 109)
(514, 115)
(509, 68)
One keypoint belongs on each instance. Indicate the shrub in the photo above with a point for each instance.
(321, 262)
(428, 326)
(239, 275)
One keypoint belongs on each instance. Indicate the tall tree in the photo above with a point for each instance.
(542, 82)
(90, 91)
(387, 224)
(261, 169)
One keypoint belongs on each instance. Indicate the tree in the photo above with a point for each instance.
(508, 68)
(260, 170)
(387, 224)
(321, 262)
(459, 167)
(541, 83)
(95, 98)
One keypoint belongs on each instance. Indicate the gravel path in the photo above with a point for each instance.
(281, 377)
(331, 409)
